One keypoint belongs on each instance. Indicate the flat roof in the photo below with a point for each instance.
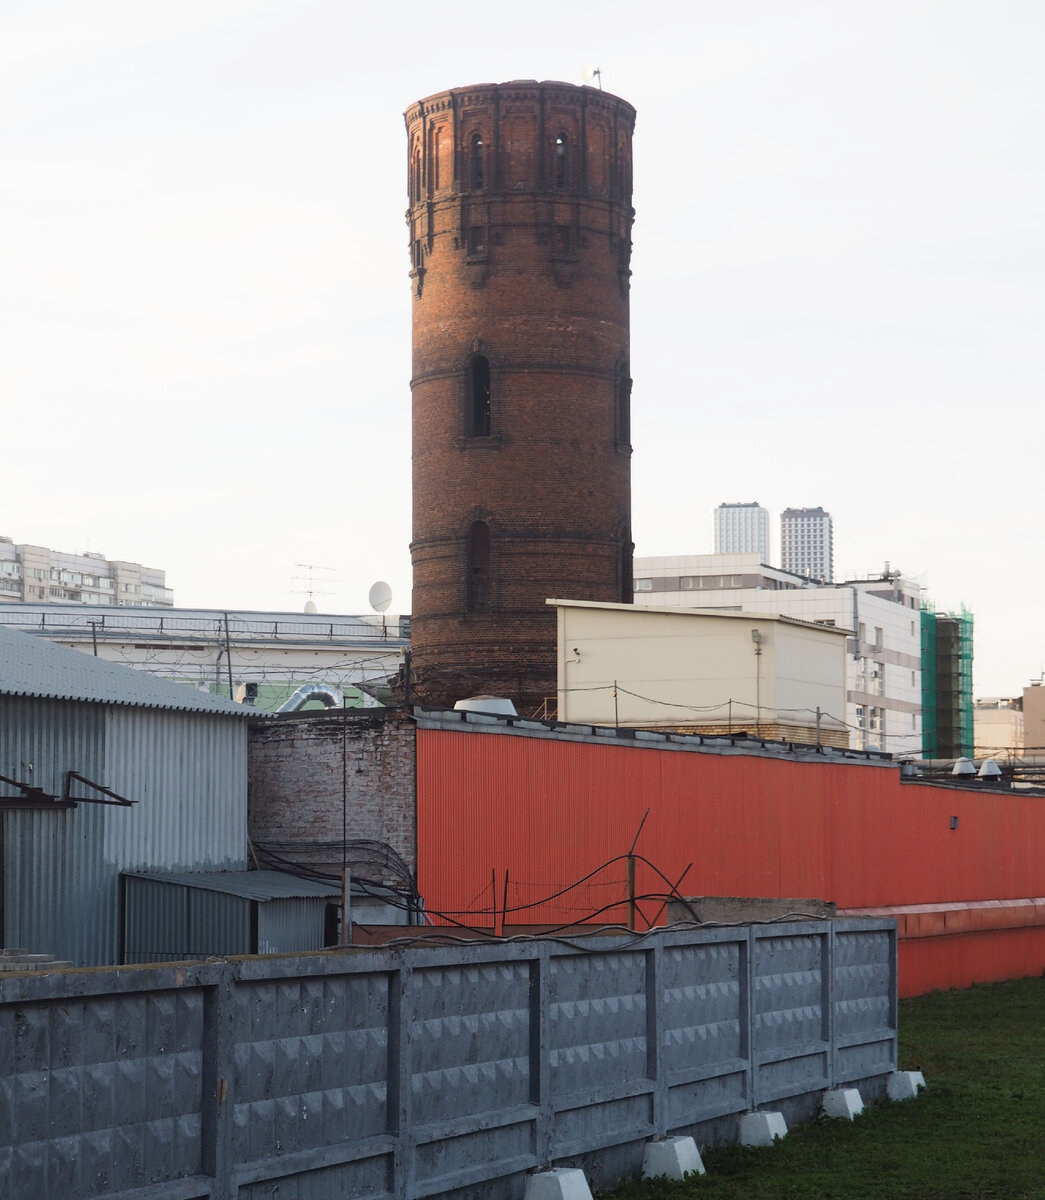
(697, 611)
(249, 885)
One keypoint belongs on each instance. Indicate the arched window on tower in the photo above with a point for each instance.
(622, 167)
(622, 407)
(415, 177)
(560, 160)
(625, 550)
(477, 161)
(477, 381)
(478, 568)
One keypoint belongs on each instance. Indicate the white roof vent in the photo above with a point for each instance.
(990, 769)
(964, 766)
(499, 705)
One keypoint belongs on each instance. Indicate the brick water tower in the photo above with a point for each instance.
(520, 237)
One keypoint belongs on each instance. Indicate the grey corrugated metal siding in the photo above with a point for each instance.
(170, 920)
(187, 772)
(164, 922)
(291, 926)
(51, 859)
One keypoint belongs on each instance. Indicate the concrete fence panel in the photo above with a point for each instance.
(408, 1073)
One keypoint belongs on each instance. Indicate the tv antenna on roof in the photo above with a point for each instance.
(310, 581)
(589, 73)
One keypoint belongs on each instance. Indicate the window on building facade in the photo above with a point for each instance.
(622, 406)
(477, 382)
(644, 585)
(625, 581)
(478, 567)
(477, 161)
(415, 177)
(477, 239)
(560, 161)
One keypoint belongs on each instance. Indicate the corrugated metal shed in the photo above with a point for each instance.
(173, 752)
(32, 666)
(192, 914)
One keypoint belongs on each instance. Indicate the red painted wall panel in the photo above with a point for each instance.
(926, 964)
(550, 811)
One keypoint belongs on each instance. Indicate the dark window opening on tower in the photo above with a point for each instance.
(478, 567)
(477, 161)
(477, 239)
(560, 161)
(622, 407)
(478, 379)
(415, 182)
(625, 582)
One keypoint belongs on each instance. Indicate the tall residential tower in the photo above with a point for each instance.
(742, 529)
(806, 546)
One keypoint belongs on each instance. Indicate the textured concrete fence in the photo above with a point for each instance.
(427, 1072)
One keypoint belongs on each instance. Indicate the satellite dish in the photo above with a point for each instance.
(380, 596)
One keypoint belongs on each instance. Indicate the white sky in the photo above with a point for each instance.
(837, 298)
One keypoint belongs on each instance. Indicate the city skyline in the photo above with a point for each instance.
(206, 292)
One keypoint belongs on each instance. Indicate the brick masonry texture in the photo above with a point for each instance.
(301, 767)
(520, 252)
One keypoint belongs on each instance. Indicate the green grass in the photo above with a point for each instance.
(977, 1132)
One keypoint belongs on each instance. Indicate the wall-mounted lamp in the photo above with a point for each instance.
(954, 822)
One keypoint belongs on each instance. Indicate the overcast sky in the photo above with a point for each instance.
(837, 296)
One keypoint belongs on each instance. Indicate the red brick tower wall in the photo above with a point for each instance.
(520, 235)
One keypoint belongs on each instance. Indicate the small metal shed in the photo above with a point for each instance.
(105, 769)
(203, 914)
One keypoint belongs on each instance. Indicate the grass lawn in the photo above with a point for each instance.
(978, 1131)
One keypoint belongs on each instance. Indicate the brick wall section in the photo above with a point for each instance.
(527, 266)
(300, 767)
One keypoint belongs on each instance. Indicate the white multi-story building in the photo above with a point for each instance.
(806, 545)
(41, 576)
(742, 529)
(883, 702)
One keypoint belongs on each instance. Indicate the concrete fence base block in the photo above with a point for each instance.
(674, 1157)
(845, 1103)
(905, 1085)
(560, 1183)
(761, 1128)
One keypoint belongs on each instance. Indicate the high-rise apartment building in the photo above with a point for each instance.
(39, 575)
(742, 529)
(806, 546)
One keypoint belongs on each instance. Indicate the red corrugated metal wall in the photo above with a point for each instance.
(549, 811)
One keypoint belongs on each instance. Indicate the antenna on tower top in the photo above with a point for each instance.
(589, 73)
